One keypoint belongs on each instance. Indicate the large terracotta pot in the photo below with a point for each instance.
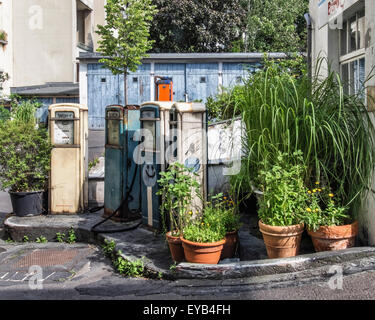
(229, 248)
(207, 253)
(282, 242)
(328, 238)
(175, 246)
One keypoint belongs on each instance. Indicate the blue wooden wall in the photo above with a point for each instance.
(198, 80)
(42, 112)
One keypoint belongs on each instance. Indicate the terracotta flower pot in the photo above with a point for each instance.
(229, 248)
(175, 246)
(282, 242)
(328, 238)
(207, 253)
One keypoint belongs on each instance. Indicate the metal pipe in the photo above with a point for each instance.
(309, 43)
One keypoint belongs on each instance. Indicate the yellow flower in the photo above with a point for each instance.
(317, 182)
(308, 210)
(331, 195)
(319, 190)
(314, 190)
(316, 210)
(309, 192)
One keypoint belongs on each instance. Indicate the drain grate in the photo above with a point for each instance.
(46, 258)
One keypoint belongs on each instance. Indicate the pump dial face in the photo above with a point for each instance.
(113, 127)
(64, 129)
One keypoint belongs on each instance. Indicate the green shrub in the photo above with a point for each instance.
(4, 114)
(324, 209)
(284, 195)
(24, 157)
(24, 111)
(203, 233)
(222, 106)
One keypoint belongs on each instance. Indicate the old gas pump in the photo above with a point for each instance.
(189, 137)
(122, 173)
(155, 122)
(68, 183)
(164, 88)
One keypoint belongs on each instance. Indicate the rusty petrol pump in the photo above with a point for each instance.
(122, 196)
(188, 134)
(155, 124)
(68, 183)
(176, 132)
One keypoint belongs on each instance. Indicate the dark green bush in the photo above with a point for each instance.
(24, 157)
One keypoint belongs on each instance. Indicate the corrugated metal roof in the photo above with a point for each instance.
(48, 89)
(181, 57)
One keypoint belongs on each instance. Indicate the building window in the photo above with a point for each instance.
(352, 53)
(84, 37)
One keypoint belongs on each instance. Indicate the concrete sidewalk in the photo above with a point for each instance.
(142, 243)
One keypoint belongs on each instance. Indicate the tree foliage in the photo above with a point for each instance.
(275, 26)
(125, 37)
(197, 26)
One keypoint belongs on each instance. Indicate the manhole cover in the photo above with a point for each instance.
(46, 258)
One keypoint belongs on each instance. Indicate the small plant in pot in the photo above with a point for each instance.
(24, 165)
(177, 186)
(283, 204)
(204, 237)
(328, 222)
(224, 208)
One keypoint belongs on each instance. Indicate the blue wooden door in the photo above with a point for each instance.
(202, 80)
(138, 85)
(102, 91)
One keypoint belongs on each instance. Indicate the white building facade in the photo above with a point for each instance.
(343, 31)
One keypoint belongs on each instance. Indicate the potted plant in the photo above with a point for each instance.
(282, 206)
(328, 222)
(24, 165)
(177, 186)
(226, 212)
(204, 237)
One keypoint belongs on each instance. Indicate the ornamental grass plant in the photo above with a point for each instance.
(288, 113)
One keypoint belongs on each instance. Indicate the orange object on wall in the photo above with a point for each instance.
(164, 89)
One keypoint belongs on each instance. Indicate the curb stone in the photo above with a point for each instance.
(142, 243)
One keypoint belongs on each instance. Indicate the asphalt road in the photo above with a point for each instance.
(81, 272)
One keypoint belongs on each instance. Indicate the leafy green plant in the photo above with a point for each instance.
(323, 210)
(211, 225)
(24, 157)
(60, 237)
(177, 186)
(24, 111)
(284, 194)
(129, 268)
(41, 239)
(108, 247)
(9, 240)
(93, 163)
(203, 232)
(25, 239)
(222, 106)
(71, 236)
(4, 114)
(221, 212)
